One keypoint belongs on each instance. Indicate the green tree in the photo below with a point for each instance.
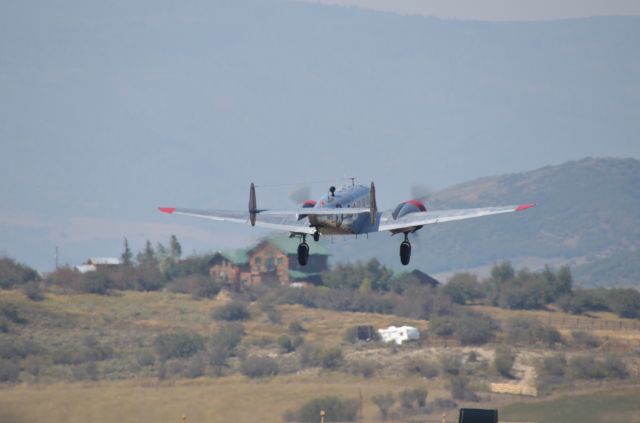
(463, 287)
(148, 255)
(126, 256)
(176, 248)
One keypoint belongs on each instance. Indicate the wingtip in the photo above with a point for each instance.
(167, 210)
(525, 206)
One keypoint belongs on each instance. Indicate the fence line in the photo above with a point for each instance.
(576, 322)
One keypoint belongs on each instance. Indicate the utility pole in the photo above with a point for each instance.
(56, 258)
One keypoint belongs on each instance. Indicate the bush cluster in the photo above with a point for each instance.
(178, 345)
(259, 366)
(503, 360)
(335, 408)
(232, 311)
(527, 331)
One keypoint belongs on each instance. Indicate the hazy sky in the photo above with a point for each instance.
(110, 109)
(499, 10)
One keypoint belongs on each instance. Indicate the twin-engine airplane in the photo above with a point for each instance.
(349, 210)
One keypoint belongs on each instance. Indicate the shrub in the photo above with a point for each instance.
(554, 366)
(624, 302)
(523, 330)
(364, 368)
(335, 409)
(9, 370)
(11, 313)
(451, 363)
(503, 360)
(272, 313)
(197, 285)
(228, 336)
(147, 277)
(13, 347)
(384, 402)
(232, 311)
(463, 287)
(13, 273)
(178, 345)
(361, 333)
(585, 339)
(259, 366)
(443, 325)
(97, 283)
(146, 358)
(476, 328)
(406, 399)
(615, 367)
(460, 389)
(421, 366)
(309, 355)
(331, 358)
(66, 278)
(33, 291)
(410, 396)
(587, 367)
(194, 368)
(288, 344)
(217, 357)
(583, 300)
(420, 395)
(88, 371)
(285, 343)
(296, 327)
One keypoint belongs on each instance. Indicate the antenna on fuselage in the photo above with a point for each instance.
(353, 181)
(372, 203)
(253, 206)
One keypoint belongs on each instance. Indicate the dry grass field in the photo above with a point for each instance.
(229, 399)
(126, 392)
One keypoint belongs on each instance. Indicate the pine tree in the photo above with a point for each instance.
(176, 248)
(126, 254)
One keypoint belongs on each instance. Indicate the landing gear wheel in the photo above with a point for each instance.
(303, 253)
(405, 252)
(316, 236)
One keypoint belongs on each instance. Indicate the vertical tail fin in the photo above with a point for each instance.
(252, 204)
(372, 203)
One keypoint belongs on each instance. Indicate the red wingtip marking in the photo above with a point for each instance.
(525, 206)
(167, 209)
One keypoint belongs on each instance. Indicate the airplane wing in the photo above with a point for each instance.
(313, 211)
(284, 222)
(388, 223)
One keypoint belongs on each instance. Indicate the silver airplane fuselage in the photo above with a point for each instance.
(354, 196)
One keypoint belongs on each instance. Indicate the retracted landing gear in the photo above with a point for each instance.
(405, 250)
(303, 251)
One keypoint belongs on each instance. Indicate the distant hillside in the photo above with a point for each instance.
(621, 269)
(586, 209)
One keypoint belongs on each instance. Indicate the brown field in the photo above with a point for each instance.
(131, 320)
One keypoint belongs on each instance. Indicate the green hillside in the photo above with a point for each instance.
(587, 208)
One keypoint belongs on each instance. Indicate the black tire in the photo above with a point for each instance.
(405, 253)
(303, 253)
(316, 236)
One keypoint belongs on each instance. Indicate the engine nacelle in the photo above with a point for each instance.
(406, 207)
(308, 204)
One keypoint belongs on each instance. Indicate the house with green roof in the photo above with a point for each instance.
(272, 261)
